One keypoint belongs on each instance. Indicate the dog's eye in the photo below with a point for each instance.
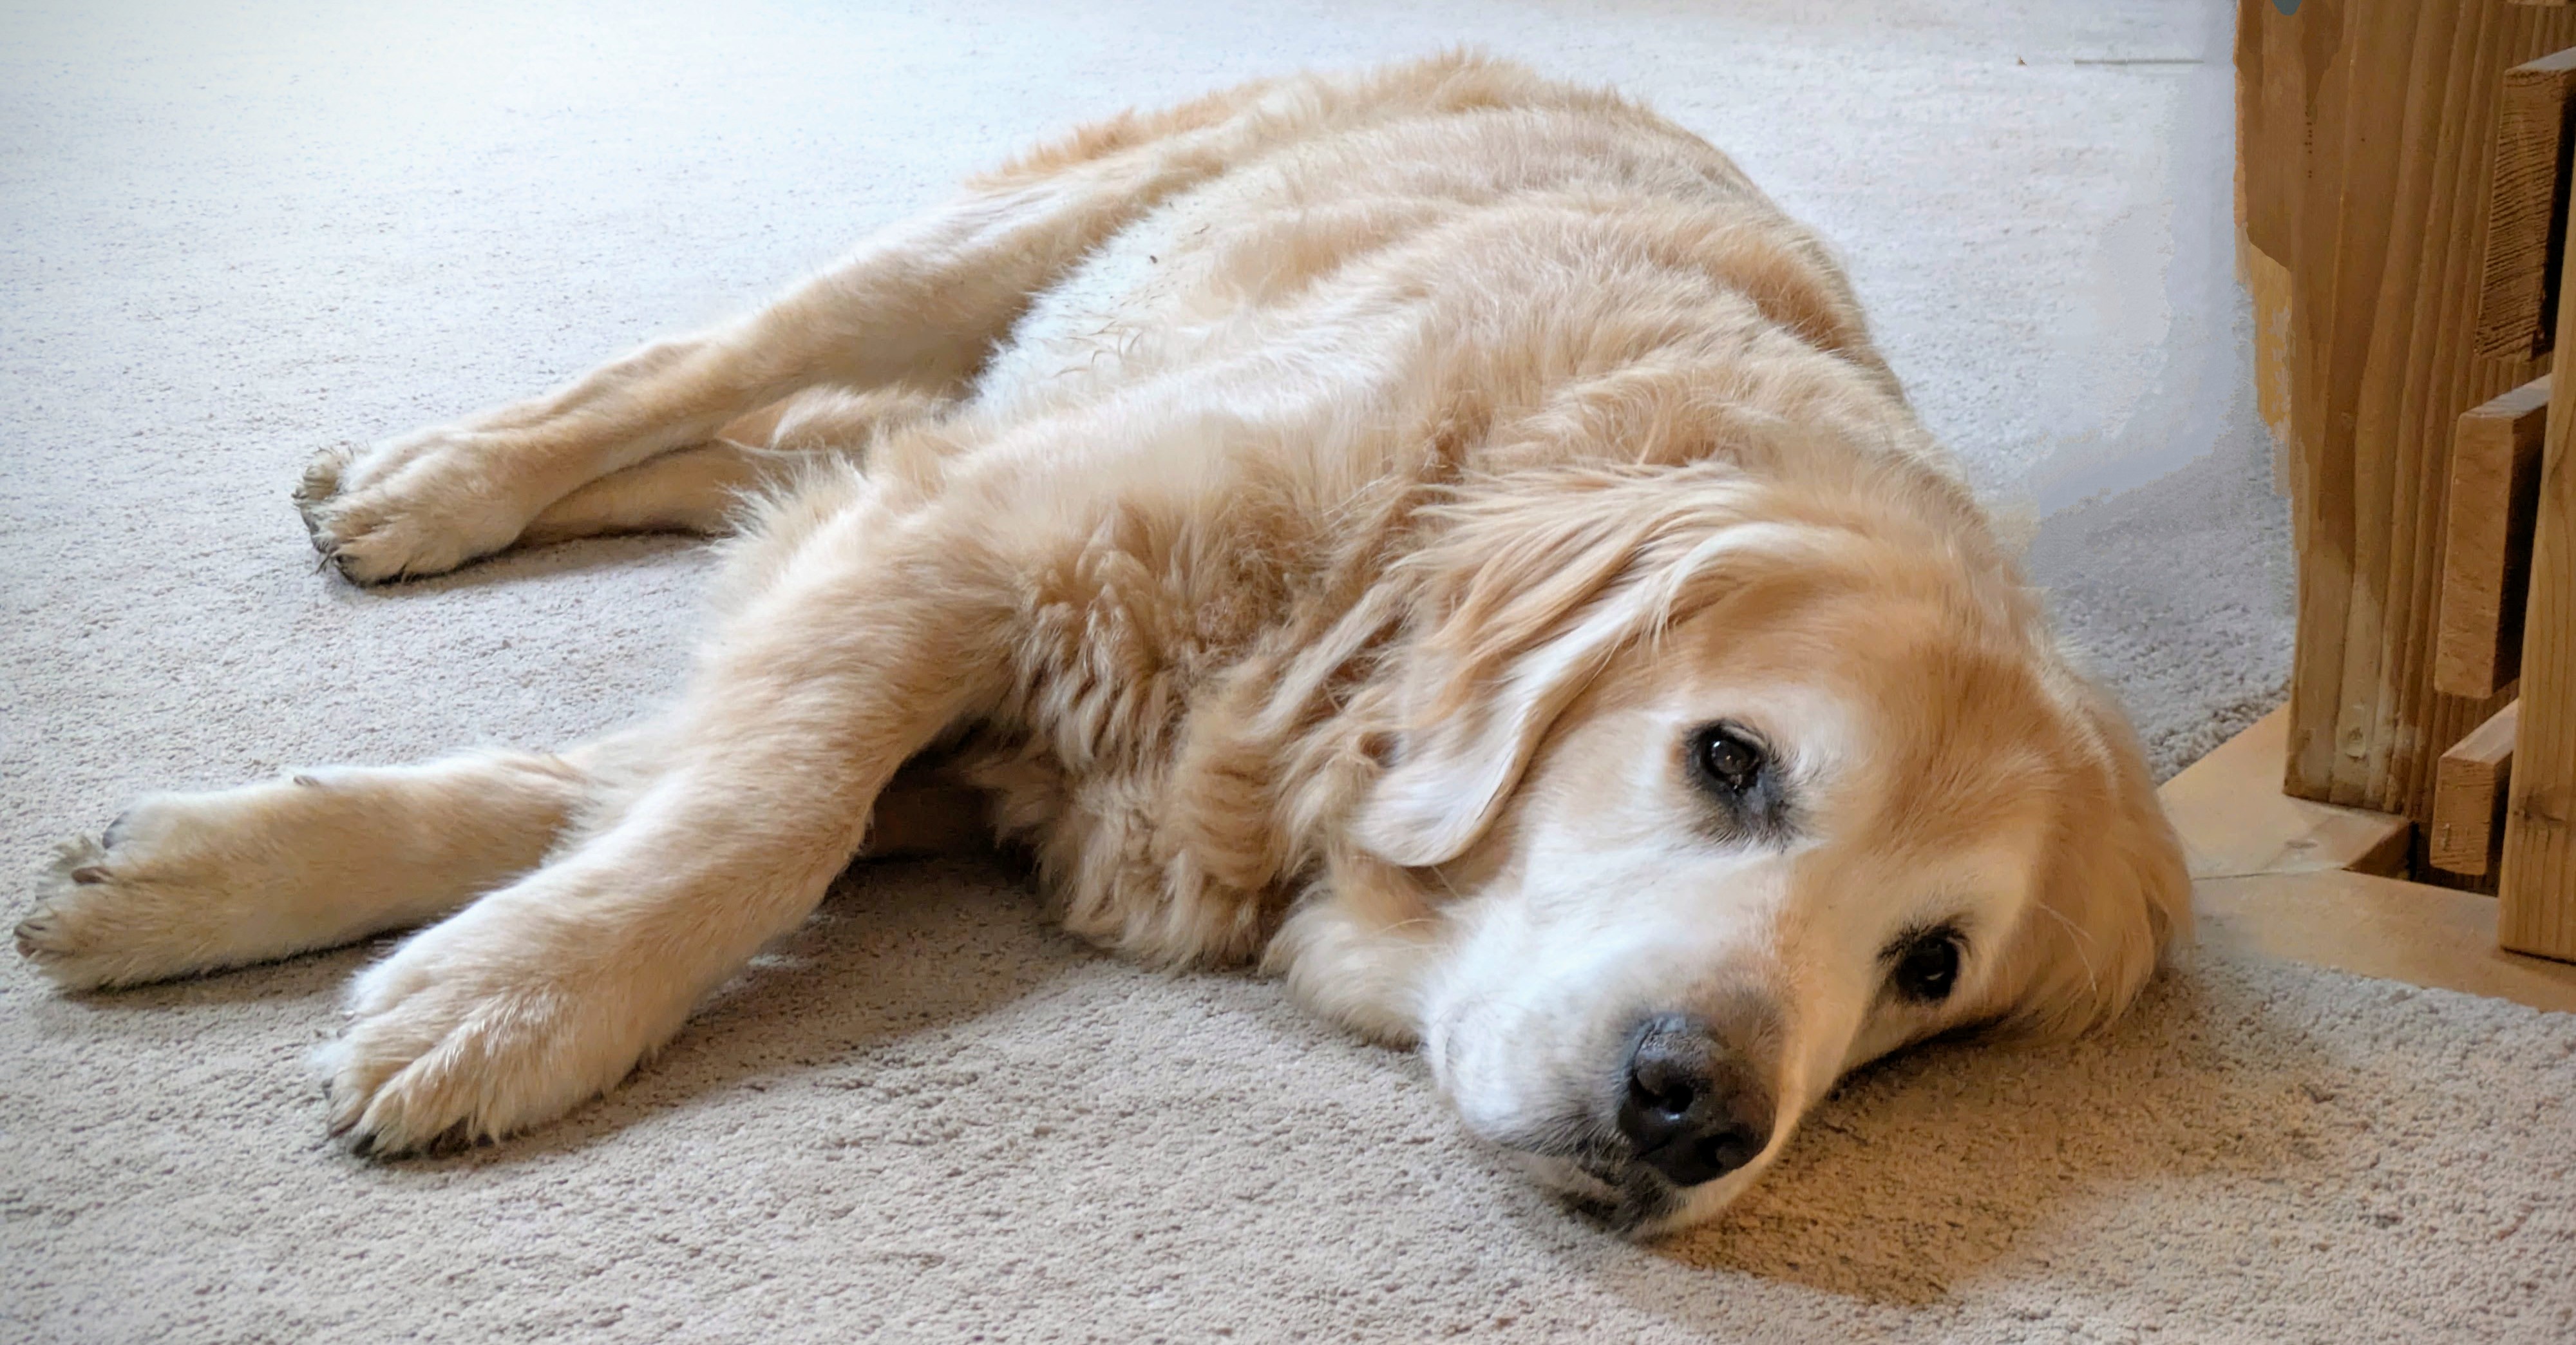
(1727, 758)
(1927, 966)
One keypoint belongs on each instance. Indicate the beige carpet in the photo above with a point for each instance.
(233, 233)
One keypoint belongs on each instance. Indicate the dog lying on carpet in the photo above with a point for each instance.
(1440, 533)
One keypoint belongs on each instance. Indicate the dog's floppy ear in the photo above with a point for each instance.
(1535, 581)
(1472, 725)
(2115, 895)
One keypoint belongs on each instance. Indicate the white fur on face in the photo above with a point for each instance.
(1618, 903)
(1526, 1026)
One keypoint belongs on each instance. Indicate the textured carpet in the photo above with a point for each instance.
(237, 233)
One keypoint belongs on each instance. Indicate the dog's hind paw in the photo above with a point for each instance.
(420, 505)
(321, 481)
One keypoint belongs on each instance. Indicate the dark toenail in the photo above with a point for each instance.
(89, 873)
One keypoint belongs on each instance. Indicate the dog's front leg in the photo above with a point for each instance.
(193, 882)
(878, 638)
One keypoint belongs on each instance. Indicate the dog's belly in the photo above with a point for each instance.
(1082, 327)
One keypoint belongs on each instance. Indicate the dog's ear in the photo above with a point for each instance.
(1471, 725)
(1532, 585)
(2116, 893)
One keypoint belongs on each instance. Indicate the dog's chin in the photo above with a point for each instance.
(1629, 1199)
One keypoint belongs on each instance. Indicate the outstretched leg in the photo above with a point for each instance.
(189, 883)
(185, 883)
(922, 303)
(703, 489)
(881, 634)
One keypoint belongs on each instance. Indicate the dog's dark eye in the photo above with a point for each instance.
(1742, 787)
(1727, 758)
(1927, 966)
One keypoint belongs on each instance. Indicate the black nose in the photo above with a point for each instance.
(1694, 1109)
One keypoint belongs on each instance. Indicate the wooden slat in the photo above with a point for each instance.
(2428, 413)
(2486, 546)
(2537, 897)
(2384, 236)
(2337, 258)
(2272, 98)
(2377, 927)
(2469, 793)
(2234, 820)
(2526, 208)
(2268, 283)
(2271, 176)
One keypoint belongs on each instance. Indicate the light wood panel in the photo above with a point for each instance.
(2234, 820)
(2526, 206)
(2368, 139)
(2538, 893)
(2257, 889)
(2469, 793)
(2486, 546)
(2268, 282)
(2373, 926)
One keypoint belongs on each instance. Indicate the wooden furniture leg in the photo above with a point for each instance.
(2538, 893)
(2368, 133)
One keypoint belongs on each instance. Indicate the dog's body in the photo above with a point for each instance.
(1440, 532)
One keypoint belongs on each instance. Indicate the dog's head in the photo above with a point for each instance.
(1709, 790)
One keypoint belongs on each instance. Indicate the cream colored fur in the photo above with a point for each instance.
(1307, 521)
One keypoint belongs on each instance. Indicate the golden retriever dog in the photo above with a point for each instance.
(1440, 534)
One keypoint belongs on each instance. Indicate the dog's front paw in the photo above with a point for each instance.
(78, 935)
(171, 889)
(480, 1027)
(193, 882)
(420, 505)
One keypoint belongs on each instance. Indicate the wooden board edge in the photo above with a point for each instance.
(2383, 927)
(2467, 831)
(2235, 821)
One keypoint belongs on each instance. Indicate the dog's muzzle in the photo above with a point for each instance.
(1694, 1110)
(1687, 1109)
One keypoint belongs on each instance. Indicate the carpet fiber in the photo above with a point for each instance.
(238, 233)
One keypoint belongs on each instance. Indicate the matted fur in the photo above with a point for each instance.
(1309, 522)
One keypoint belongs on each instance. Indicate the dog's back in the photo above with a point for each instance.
(1320, 199)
